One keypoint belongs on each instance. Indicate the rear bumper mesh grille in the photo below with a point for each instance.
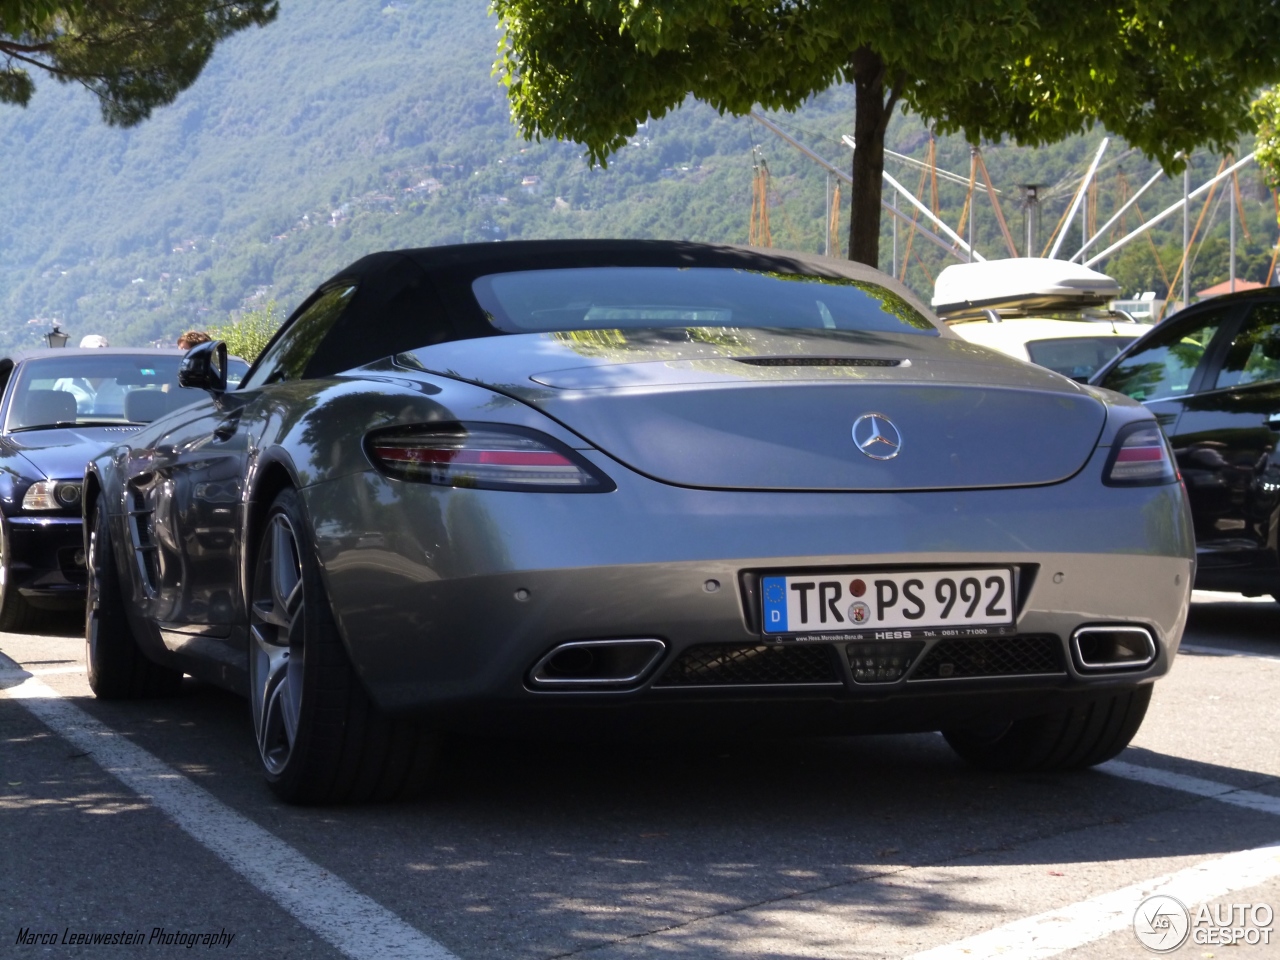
(991, 657)
(744, 664)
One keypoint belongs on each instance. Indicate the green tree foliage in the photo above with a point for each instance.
(1137, 271)
(1266, 114)
(134, 55)
(294, 156)
(246, 334)
(1167, 75)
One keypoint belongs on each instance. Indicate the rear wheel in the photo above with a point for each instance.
(117, 668)
(320, 736)
(1084, 735)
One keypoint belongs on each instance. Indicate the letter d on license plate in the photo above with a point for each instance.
(837, 602)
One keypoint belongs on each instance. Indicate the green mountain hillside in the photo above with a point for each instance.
(354, 125)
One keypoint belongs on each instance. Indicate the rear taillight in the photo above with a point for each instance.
(1140, 456)
(484, 456)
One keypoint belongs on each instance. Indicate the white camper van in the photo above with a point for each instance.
(1049, 312)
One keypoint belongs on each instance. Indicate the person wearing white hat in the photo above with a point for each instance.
(95, 395)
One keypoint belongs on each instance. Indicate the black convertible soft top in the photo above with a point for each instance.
(413, 298)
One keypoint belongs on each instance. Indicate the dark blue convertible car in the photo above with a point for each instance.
(59, 408)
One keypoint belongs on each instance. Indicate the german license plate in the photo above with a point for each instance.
(853, 601)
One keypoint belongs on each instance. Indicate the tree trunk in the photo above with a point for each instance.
(870, 122)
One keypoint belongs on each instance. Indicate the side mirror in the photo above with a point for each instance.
(205, 367)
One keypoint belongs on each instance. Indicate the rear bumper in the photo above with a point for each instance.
(447, 598)
(447, 644)
(46, 559)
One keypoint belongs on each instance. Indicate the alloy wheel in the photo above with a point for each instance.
(93, 606)
(277, 657)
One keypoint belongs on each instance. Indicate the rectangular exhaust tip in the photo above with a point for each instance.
(1113, 648)
(597, 663)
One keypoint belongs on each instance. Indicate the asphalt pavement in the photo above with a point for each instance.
(149, 820)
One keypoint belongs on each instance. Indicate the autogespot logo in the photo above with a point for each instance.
(1161, 924)
(876, 436)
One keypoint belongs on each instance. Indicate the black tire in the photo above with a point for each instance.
(1092, 731)
(117, 668)
(17, 615)
(320, 737)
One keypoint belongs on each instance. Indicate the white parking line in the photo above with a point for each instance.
(1249, 799)
(364, 930)
(5, 674)
(1225, 652)
(1056, 931)
(1215, 596)
(357, 925)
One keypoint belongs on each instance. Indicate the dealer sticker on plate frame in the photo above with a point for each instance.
(864, 605)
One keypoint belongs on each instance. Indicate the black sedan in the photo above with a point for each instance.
(59, 409)
(1211, 375)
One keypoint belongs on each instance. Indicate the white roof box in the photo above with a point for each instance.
(1023, 285)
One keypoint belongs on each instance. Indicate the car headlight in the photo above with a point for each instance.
(52, 495)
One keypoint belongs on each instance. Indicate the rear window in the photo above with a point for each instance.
(622, 298)
(1076, 357)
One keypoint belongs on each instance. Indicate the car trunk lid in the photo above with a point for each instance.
(777, 410)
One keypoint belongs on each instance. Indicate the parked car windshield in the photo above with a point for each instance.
(615, 298)
(100, 389)
(1076, 357)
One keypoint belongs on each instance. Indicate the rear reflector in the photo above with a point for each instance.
(486, 456)
(1140, 457)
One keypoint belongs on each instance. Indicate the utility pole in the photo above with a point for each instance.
(895, 232)
(1186, 234)
(826, 249)
(971, 233)
(1084, 220)
(1232, 205)
(1031, 212)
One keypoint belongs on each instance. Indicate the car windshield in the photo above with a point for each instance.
(617, 298)
(1076, 357)
(101, 390)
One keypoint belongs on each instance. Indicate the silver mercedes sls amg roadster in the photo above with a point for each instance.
(653, 487)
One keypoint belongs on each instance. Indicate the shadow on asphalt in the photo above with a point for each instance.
(68, 623)
(544, 847)
(1239, 625)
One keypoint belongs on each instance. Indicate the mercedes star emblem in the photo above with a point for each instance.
(876, 436)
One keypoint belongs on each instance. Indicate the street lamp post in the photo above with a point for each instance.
(55, 337)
